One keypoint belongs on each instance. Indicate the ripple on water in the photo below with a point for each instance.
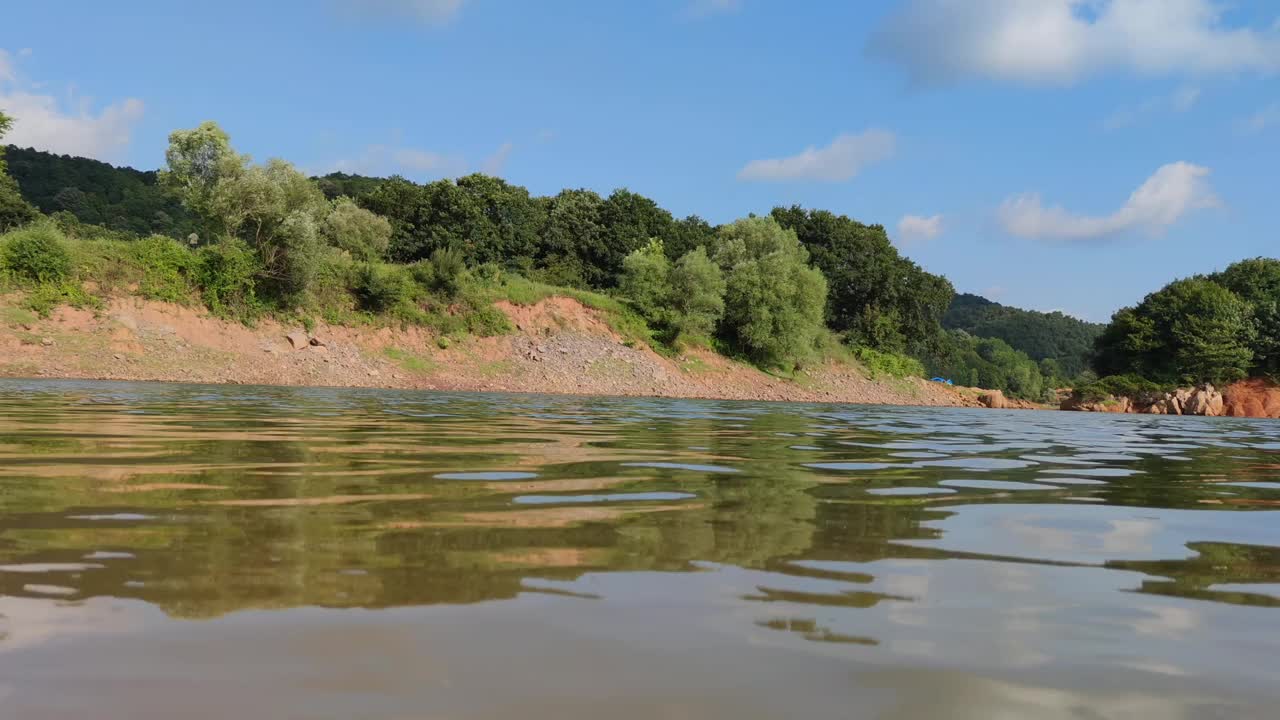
(486, 475)
(977, 463)
(911, 491)
(852, 465)
(997, 485)
(682, 466)
(601, 498)
(119, 517)
(1247, 484)
(58, 590)
(49, 567)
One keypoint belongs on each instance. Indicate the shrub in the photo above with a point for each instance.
(37, 253)
(1118, 386)
(448, 270)
(227, 274)
(47, 296)
(356, 230)
(166, 266)
(645, 281)
(379, 287)
(879, 363)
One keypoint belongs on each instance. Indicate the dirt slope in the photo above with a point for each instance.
(560, 346)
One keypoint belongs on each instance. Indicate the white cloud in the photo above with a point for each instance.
(431, 12)
(8, 73)
(844, 158)
(1059, 41)
(497, 162)
(706, 8)
(915, 228)
(1180, 101)
(42, 122)
(1170, 193)
(1263, 119)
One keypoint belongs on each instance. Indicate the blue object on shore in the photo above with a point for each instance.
(942, 380)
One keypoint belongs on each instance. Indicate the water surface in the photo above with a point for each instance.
(210, 552)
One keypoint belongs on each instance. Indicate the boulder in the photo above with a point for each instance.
(1204, 401)
(994, 399)
(298, 340)
(316, 342)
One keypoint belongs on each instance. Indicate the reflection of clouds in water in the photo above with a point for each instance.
(1167, 621)
(963, 696)
(1129, 536)
(29, 622)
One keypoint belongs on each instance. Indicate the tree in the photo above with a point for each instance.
(877, 297)
(697, 295)
(1042, 336)
(274, 208)
(1190, 331)
(14, 209)
(1257, 282)
(773, 300)
(572, 245)
(646, 282)
(361, 233)
(629, 221)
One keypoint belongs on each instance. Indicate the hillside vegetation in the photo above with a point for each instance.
(246, 239)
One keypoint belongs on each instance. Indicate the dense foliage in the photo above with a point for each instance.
(14, 208)
(1065, 340)
(877, 297)
(992, 363)
(1190, 331)
(774, 289)
(96, 193)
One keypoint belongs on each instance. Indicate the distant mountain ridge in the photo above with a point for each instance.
(1055, 336)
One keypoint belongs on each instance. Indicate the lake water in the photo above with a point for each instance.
(229, 552)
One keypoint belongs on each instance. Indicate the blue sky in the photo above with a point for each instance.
(1051, 154)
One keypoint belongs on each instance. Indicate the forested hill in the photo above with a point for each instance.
(97, 193)
(1055, 336)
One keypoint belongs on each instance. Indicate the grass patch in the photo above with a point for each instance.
(17, 316)
(887, 364)
(410, 361)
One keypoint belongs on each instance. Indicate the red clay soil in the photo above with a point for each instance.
(559, 346)
(1252, 398)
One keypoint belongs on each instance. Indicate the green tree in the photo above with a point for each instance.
(629, 220)
(877, 298)
(14, 209)
(697, 295)
(773, 300)
(1190, 331)
(646, 282)
(361, 233)
(1257, 282)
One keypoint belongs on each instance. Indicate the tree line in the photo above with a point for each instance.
(775, 289)
(1214, 328)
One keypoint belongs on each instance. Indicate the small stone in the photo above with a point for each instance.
(317, 342)
(118, 356)
(47, 342)
(374, 373)
(298, 340)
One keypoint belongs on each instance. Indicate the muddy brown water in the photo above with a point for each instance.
(230, 552)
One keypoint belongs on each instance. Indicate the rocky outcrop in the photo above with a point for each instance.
(1252, 398)
(994, 399)
(1205, 400)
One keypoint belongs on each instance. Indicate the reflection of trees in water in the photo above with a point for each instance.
(469, 541)
(1214, 564)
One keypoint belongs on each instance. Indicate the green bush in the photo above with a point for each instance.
(1118, 386)
(227, 274)
(167, 268)
(37, 253)
(697, 295)
(44, 297)
(774, 302)
(880, 363)
(379, 287)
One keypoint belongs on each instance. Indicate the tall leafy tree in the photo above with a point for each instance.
(773, 299)
(1257, 282)
(14, 209)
